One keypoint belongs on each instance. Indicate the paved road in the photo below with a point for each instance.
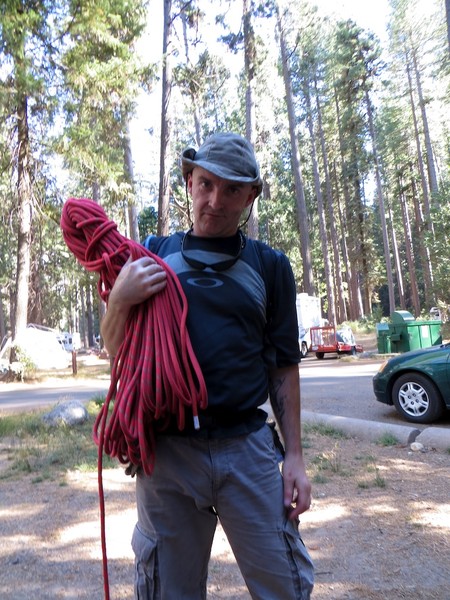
(24, 396)
(330, 386)
(343, 387)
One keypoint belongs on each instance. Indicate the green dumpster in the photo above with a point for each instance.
(429, 333)
(408, 334)
(398, 329)
(383, 338)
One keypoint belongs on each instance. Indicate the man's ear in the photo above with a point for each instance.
(189, 182)
(251, 197)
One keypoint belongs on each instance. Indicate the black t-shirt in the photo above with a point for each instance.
(241, 321)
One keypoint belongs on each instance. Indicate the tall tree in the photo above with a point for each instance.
(102, 76)
(447, 15)
(337, 122)
(305, 246)
(381, 203)
(340, 306)
(250, 110)
(26, 49)
(189, 77)
(133, 228)
(307, 70)
(355, 55)
(164, 158)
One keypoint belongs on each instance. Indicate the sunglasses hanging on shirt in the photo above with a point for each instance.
(222, 265)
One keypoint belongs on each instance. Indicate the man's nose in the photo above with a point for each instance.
(216, 198)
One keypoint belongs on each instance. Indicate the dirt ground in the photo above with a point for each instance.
(379, 527)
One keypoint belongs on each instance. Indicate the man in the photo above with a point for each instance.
(243, 327)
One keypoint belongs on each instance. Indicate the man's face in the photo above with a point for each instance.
(217, 203)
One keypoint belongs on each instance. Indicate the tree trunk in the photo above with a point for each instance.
(351, 253)
(398, 267)
(420, 220)
(387, 253)
(2, 320)
(431, 168)
(410, 255)
(83, 323)
(89, 317)
(96, 192)
(193, 95)
(341, 311)
(34, 295)
(302, 214)
(424, 251)
(447, 14)
(164, 161)
(423, 179)
(250, 111)
(129, 174)
(320, 209)
(25, 211)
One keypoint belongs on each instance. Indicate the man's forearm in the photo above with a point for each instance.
(285, 401)
(113, 328)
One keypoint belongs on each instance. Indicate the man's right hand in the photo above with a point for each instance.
(137, 281)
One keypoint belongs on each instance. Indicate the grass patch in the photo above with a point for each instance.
(306, 443)
(329, 461)
(365, 459)
(22, 425)
(377, 481)
(325, 430)
(387, 439)
(46, 452)
(319, 478)
(85, 370)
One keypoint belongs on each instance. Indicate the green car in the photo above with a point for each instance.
(417, 383)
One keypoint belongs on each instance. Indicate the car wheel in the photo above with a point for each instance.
(416, 398)
(304, 349)
(320, 355)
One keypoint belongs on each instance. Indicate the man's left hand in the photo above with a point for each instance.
(297, 487)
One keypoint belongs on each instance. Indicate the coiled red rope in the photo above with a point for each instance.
(155, 375)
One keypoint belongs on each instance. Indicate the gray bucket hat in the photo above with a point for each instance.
(227, 155)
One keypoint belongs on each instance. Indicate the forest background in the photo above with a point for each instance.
(351, 133)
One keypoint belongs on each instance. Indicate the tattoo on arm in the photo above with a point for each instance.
(277, 398)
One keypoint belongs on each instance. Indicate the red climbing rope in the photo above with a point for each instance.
(155, 375)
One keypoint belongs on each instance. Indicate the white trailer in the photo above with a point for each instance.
(70, 341)
(309, 314)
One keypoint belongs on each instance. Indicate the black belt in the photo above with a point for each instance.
(220, 423)
(211, 419)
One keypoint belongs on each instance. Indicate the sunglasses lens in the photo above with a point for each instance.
(222, 265)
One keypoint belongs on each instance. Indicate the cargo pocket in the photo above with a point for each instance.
(146, 581)
(301, 564)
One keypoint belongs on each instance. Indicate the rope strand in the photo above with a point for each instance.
(155, 374)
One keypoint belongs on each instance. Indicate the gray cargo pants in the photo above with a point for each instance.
(197, 480)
